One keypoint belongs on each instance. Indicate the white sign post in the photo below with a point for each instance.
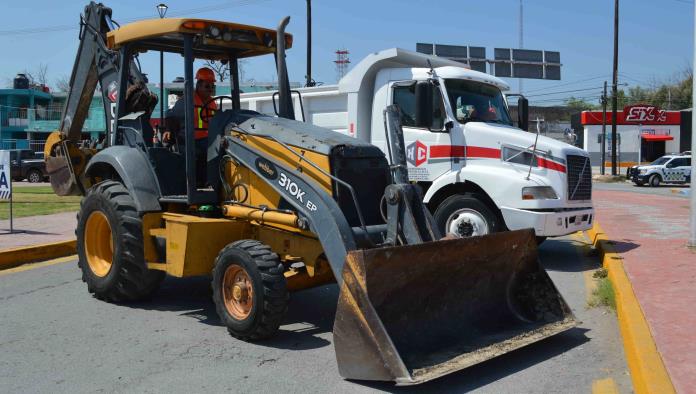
(6, 180)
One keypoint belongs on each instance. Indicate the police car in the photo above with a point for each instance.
(674, 168)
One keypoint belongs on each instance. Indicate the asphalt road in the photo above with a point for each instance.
(663, 190)
(55, 337)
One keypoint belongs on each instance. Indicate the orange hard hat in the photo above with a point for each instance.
(205, 74)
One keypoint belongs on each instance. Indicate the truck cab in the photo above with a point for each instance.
(479, 173)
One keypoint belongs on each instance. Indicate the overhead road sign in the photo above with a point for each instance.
(506, 62)
(474, 57)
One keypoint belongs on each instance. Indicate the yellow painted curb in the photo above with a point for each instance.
(14, 257)
(648, 372)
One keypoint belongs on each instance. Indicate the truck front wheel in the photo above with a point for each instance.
(466, 215)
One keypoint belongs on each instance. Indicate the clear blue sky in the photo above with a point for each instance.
(655, 36)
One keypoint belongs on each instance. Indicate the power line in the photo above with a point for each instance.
(568, 83)
(564, 91)
(191, 11)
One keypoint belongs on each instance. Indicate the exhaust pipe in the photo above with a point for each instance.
(285, 100)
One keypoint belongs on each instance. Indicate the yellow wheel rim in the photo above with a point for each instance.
(237, 292)
(99, 244)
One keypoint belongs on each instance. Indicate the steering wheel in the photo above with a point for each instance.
(205, 111)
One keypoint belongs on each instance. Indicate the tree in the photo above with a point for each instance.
(63, 83)
(220, 69)
(39, 76)
(579, 104)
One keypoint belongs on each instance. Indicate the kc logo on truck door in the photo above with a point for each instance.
(417, 153)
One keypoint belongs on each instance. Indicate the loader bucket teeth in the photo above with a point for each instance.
(413, 313)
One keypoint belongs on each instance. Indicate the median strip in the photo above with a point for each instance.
(10, 258)
(648, 372)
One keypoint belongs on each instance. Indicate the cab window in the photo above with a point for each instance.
(405, 97)
(679, 162)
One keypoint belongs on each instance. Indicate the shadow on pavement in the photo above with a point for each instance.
(623, 246)
(492, 370)
(565, 255)
(310, 312)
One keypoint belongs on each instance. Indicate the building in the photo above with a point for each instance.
(28, 116)
(644, 133)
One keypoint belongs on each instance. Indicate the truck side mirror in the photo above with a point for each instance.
(424, 104)
(523, 113)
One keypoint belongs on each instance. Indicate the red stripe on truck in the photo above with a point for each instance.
(479, 152)
(541, 162)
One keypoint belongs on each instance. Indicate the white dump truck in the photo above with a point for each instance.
(479, 173)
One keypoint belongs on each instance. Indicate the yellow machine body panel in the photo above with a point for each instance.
(194, 242)
(258, 192)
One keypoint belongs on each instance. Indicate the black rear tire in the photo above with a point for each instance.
(128, 278)
(269, 299)
(470, 204)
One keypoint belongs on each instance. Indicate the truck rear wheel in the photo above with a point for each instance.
(249, 290)
(110, 246)
(466, 215)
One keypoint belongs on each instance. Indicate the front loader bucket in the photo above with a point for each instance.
(410, 314)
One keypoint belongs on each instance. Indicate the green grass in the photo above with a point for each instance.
(37, 200)
(603, 294)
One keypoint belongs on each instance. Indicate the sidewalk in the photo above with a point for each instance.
(38, 230)
(650, 233)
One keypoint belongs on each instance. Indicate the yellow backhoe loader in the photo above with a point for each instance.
(284, 206)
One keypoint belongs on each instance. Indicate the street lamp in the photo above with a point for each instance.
(162, 11)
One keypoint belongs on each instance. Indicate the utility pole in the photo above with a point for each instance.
(692, 223)
(604, 128)
(615, 80)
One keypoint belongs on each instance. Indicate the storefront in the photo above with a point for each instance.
(644, 133)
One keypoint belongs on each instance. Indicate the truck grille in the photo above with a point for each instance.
(579, 178)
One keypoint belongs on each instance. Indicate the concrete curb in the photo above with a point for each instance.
(648, 372)
(10, 258)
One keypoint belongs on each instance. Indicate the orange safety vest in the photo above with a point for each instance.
(201, 127)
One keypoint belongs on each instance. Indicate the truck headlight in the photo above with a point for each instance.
(642, 172)
(539, 193)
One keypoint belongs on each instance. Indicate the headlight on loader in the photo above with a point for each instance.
(538, 193)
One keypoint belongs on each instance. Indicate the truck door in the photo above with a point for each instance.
(429, 151)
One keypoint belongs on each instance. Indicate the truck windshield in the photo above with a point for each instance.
(660, 161)
(476, 102)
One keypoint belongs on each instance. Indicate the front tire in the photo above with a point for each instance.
(34, 176)
(249, 290)
(654, 180)
(110, 246)
(466, 215)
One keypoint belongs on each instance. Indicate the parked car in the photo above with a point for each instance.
(674, 168)
(25, 164)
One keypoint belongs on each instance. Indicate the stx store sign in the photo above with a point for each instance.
(644, 113)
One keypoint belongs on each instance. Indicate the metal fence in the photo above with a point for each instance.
(34, 145)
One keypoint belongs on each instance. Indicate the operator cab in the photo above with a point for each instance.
(194, 39)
